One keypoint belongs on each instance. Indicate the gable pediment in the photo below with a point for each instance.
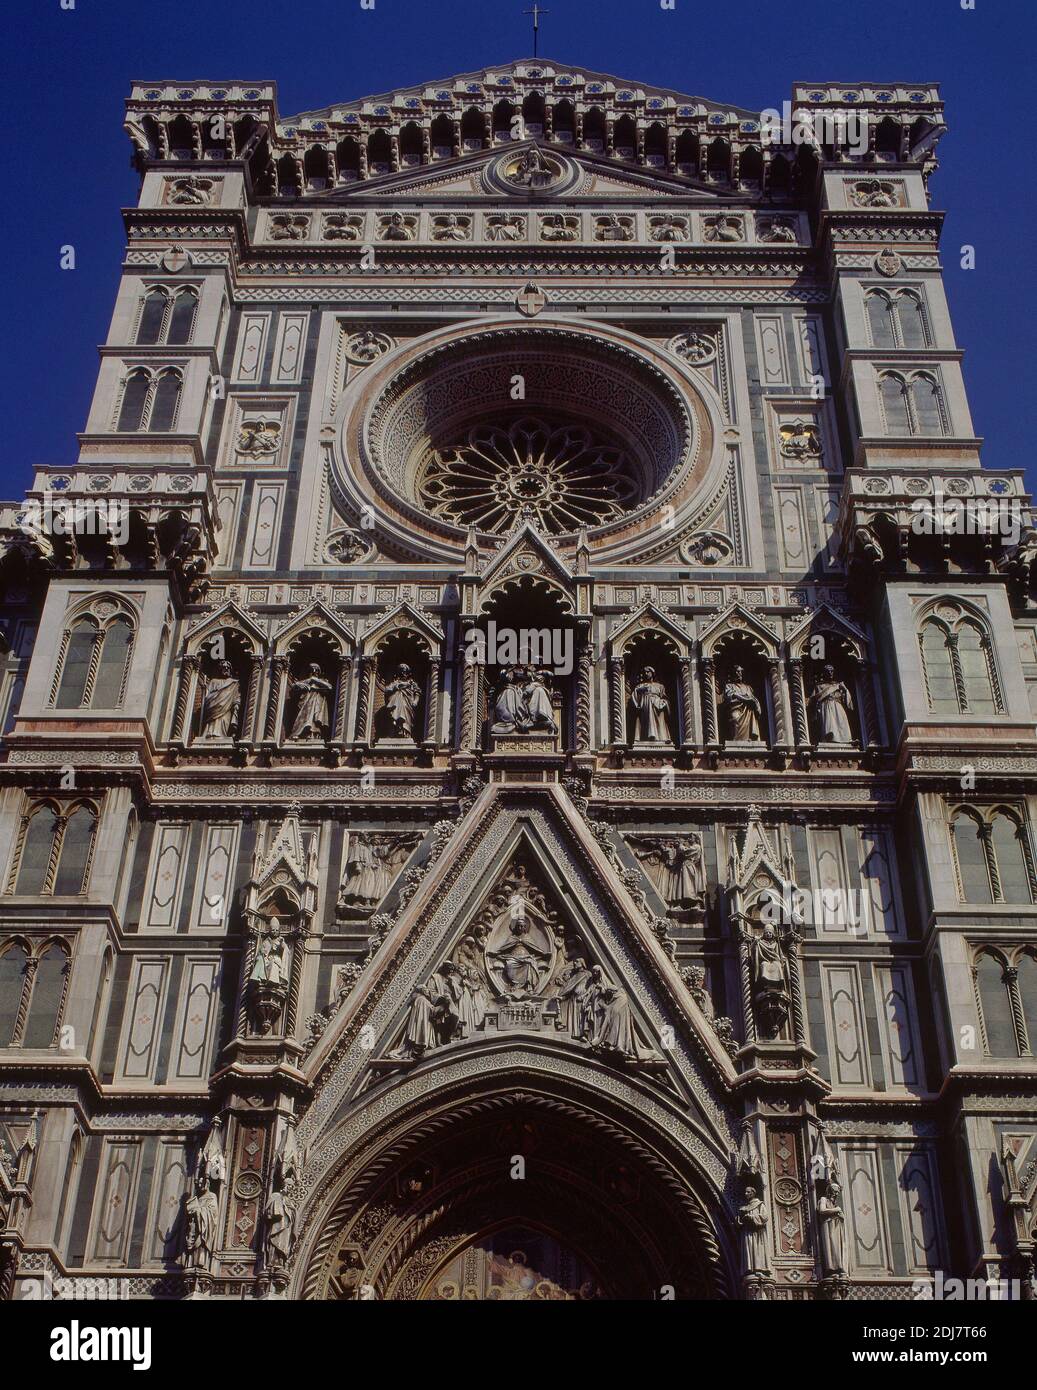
(531, 918)
(467, 176)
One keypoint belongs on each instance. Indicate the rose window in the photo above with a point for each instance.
(560, 477)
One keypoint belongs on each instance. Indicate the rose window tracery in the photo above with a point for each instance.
(559, 476)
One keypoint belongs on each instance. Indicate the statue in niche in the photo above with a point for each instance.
(832, 1223)
(742, 709)
(202, 1208)
(311, 713)
(752, 1218)
(522, 704)
(676, 867)
(831, 704)
(272, 958)
(652, 709)
(221, 698)
(402, 697)
(372, 862)
(279, 1213)
(771, 979)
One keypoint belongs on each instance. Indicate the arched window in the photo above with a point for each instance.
(958, 665)
(74, 855)
(135, 394)
(48, 992)
(893, 390)
(938, 667)
(927, 405)
(1006, 843)
(33, 986)
(37, 850)
(55, 846)
(152, 317)
(880, 320)
(14, 978)
(79, 655)
(995, 1005)
(974, 656)
(109, 684)
(95, 663)
(911, 321)
(971, 852)
(181, 323)
(166, 401)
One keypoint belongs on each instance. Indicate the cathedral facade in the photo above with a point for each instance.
(520, 757)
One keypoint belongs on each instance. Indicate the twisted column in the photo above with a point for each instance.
(799, 703)
(432, 712)
(687, 699)
(363, 700)
(338, 728)
(616, 710)
(584, 670)
(709, 704)
(252, 696)
(279, 667)
(188, 669)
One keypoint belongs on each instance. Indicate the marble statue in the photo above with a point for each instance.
(652, 709)
(311, 713)
(273, 958)
(402, 696)
(202, 1208)
(522, 703)
(832, 1223)
(752, 1218)
(221, 699)
(675, 865)
(831, 704)
(741, 708)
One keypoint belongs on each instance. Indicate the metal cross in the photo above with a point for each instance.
(536, 12)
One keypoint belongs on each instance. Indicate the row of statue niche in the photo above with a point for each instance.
(518, 960)
(523, 704)
(742, 709)
(829, 703)
(311, 693)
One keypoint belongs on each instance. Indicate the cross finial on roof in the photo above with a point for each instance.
(536, 12)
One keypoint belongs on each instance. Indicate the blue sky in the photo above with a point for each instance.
(67, 161)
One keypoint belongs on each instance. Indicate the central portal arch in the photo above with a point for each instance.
(517, 1194)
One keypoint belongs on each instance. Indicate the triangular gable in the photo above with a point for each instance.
(737, 618)
(540, 824)
(461, 176)
(320, 614)
(403, 615)
(227, 613)
(659, 619)
(525, 539)
(824, 618)
(284, 852)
